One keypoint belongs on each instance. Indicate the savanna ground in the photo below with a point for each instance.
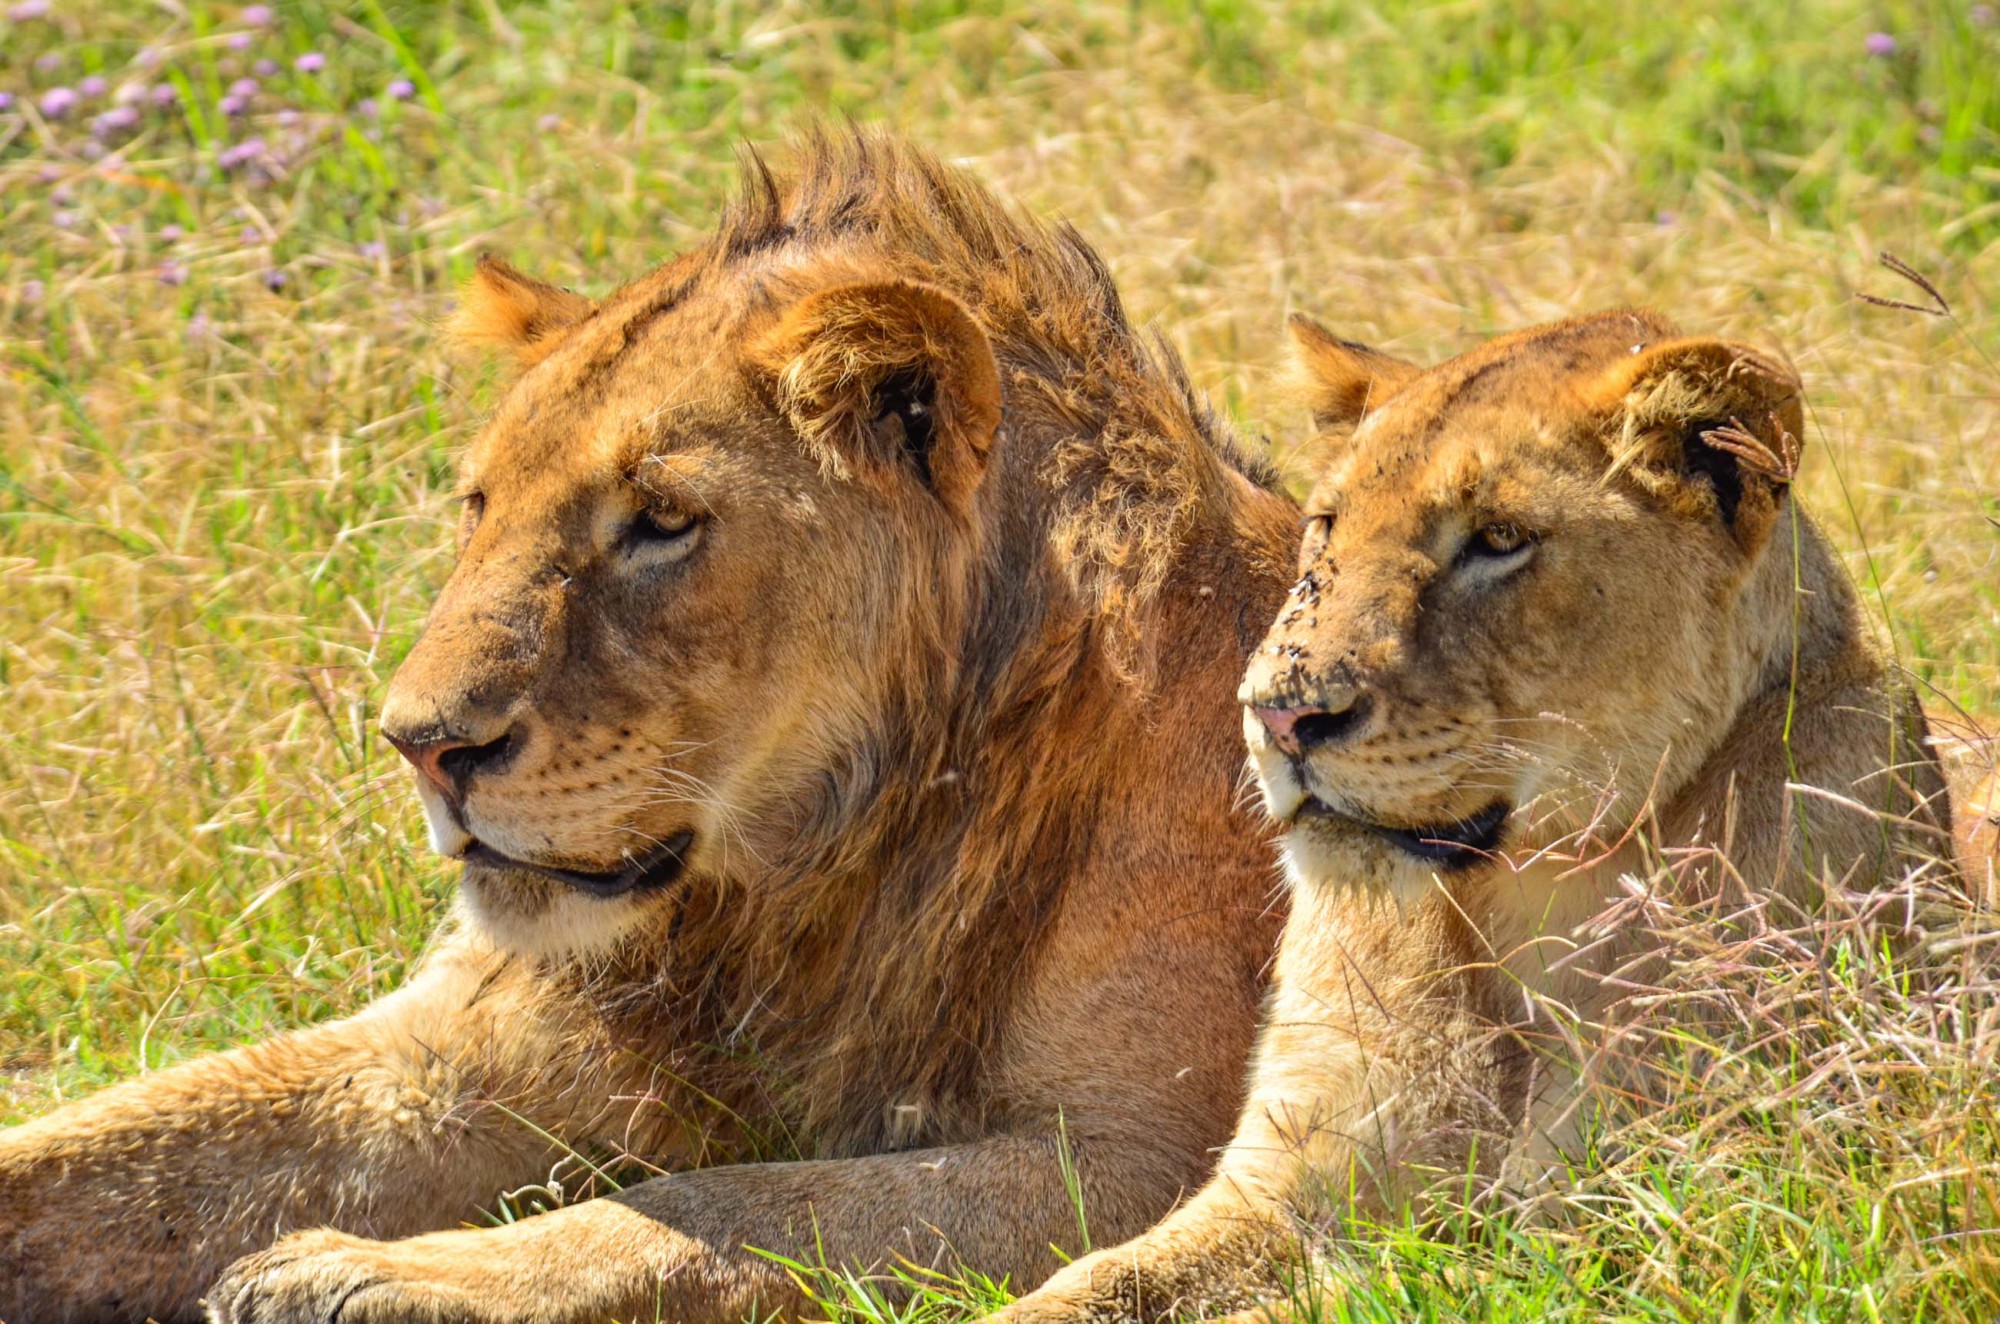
(227, 426)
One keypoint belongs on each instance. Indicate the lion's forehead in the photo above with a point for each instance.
(1483, 463)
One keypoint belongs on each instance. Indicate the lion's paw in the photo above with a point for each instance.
(1092, 1288)
(326, 1277)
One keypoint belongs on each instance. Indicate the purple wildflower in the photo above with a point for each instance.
(61, 194)
(93, 87)
(374, 250)
(233, 106)
(257, 16)
(549, 123)
(252, 235)
(129, 93)
(170, 234)
(173, 273)
(310, 63)
(114, 122)
(244, 87)
(149, 58)
(29, 10)
(247, 152)
(58, 102)
(274, 280)
(198, 328)
(288, 117)
(368, 106)
(122, 233)
(401, 90)
(6, 101)
(49, 63)
(1880, 45)
(240, 41)
(65, 219)
(32, 291)
(164, 95)
(1983, 16)
(265, 68)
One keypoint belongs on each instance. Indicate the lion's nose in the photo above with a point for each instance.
(448, 761)
(1301, 730)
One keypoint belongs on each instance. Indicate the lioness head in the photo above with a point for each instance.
(717, 522)
(1528, 595)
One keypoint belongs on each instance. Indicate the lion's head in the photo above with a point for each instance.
(1535, 589)
(747, 552)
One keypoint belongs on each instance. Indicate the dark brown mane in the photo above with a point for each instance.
(1043, 293)
(927, 869)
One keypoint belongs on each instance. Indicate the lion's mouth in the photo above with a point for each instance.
(1457, 845)
(657, 868)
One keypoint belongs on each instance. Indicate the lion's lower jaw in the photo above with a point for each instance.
(544, 920)
(1319, 859)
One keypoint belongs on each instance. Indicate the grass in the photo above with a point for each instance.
(227, 427)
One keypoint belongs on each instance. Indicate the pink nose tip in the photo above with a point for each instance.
(1283, 724)
(1299, 730)
(427, 756)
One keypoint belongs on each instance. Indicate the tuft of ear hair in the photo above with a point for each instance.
(1719, 419)
(1344, 381)
(502, 307)
(889, 377)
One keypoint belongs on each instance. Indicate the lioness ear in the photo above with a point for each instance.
(1344, 381)
(500, 306)
(888, 377)
(1713, 423)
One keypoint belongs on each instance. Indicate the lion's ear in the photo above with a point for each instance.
(1712, 423)
(502, 307)
(1344, 381)
(888, 377)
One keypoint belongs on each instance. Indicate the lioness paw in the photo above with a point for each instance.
(325, 1277)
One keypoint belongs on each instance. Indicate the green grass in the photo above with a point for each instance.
(223, 505)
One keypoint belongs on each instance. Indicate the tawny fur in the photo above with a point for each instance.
(1624, 685)
(935, 662)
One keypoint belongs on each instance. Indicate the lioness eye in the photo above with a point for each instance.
(669, 530)
(1502, 538)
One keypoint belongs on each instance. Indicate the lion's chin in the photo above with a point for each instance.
(1330, 847)
(546, 920)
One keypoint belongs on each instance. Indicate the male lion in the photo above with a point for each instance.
(1557, 615)
(832, 707)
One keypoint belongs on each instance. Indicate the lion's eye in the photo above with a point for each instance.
(1503, 538)
(1319, 530)
(670, 531)
(1498, 547)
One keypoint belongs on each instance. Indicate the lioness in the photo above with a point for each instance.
(1557, 615)
(800, 707)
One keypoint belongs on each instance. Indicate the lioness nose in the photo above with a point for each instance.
(1303, 729)
(447, 762)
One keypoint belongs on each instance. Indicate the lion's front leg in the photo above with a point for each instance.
(1371, 1079)
(127, 1204)
(599, 1262)
(683, 1247)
